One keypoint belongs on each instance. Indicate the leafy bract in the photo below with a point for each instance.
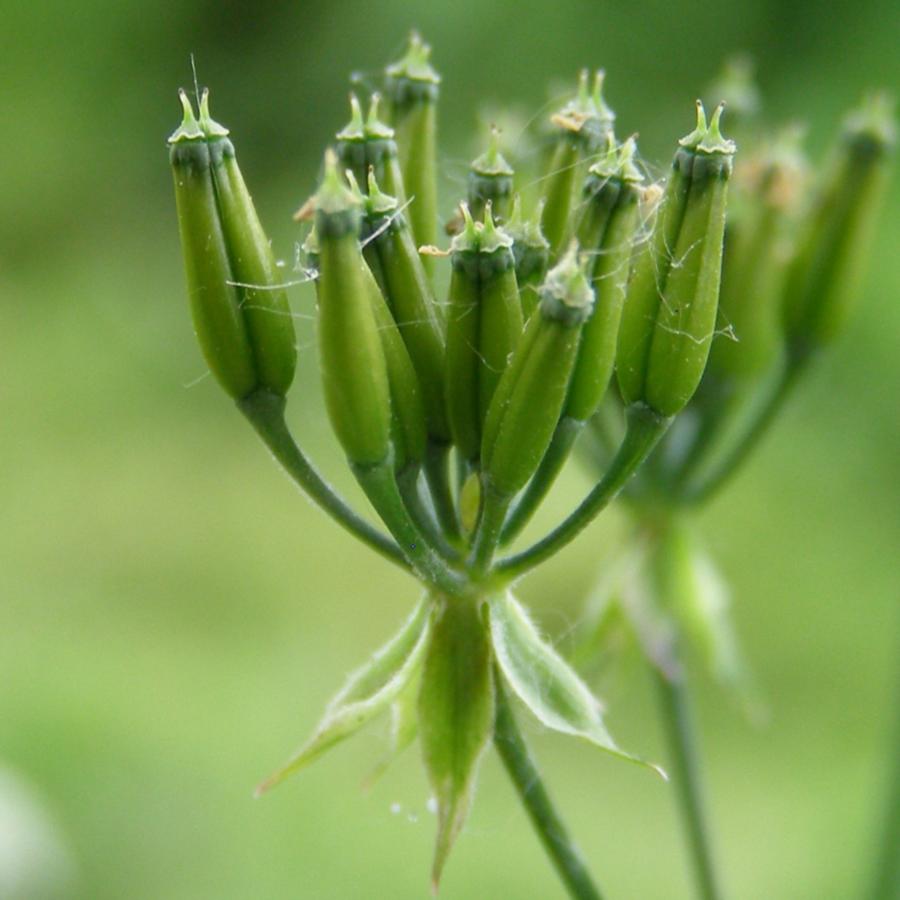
(456, 714)
(543, 681)
(368, 691)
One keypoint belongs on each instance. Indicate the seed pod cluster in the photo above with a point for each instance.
(557, 278)
(410, 377)
(795, 245)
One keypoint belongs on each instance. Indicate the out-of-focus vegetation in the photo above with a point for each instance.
(173, 615)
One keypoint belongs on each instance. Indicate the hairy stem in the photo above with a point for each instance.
(546, 821)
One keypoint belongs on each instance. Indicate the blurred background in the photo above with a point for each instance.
(173, 615)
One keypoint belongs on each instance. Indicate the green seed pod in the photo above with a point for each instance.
(484, 325)
(382, 154)
(243, 324)
(354, 370)
(527, 404)
(408, 422)
(408, 416)
(531, 252)
(490, 181)
(363, 145)
(824, 276)
(389, 245)
(670, 310)
(754, 265)
(412, 91)
(500, 326)
(606, 233)
(463, 364)
(350, 143)
(582, 126)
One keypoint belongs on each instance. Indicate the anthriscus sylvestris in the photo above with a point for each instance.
(457, 401)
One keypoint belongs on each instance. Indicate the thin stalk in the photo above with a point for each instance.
(549, 826)
(380, 486)
(437, 476)
(684, 770)
(644, 429)
(557, 453)
(422, 512)
(487, 532)
(265, 411)
(754, 430)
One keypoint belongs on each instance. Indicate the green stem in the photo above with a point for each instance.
(422, 514)
(753, 433)
(644, 429)
(684, 770)
(437, 475)
(265, 411)
(380, 485)
(546, 821)
(487, 532)
(557, 453)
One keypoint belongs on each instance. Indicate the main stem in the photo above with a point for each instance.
(265, 412)
(546, 821)
(684, 769)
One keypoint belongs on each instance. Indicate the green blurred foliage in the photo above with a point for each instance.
(172, 614)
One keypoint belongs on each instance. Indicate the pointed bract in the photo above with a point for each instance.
(456, 715)
(544, 682)
(369, 691)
